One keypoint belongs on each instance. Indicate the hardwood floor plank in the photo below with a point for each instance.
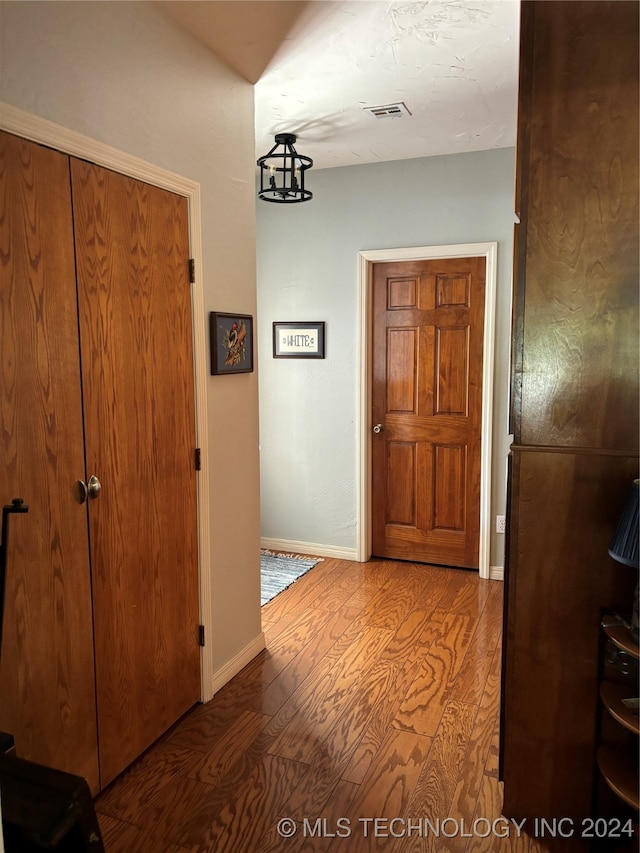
(390, 606)
(471, 597)
(377, 697)
(437, 784)
(424, 704)
(410, 634)
(309, 656)
(437, 788)
(492, 689)
(470, 771)
(275, 623)
(200, 730)
(376, 574)
(334, 742)
(479, 659)
(387, 788)
(381, 719)
(115, 833)
(120, 837)
(182, 811)
(342, 588)
(281, 651)
(440, 625)
(461, 585)
(336, 737)
(331, 695)
(259, 802)
(235, 740)
(386, 791)
(186, 808)
(490, 804)
(141, 782)
(298, 596)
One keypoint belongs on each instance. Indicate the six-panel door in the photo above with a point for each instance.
(428, 329)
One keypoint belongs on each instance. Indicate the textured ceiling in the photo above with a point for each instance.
(317, 65)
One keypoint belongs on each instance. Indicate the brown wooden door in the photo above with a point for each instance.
(137, 369)
(428, 329)
(47, 694)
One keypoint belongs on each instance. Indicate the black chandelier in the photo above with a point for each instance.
(282, 172)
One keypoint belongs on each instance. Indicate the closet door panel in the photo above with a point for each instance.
(135, 320)
(47, 698)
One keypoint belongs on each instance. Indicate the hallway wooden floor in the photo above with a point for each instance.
(377, 697)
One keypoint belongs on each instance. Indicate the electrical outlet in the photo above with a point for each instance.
(501, 524)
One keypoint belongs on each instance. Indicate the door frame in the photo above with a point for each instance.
(45, 132)
(364, 354)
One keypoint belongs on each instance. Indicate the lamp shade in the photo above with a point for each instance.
(624, 545)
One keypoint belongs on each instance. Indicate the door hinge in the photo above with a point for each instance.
(198, 459)
(201, 635)
(192, 271)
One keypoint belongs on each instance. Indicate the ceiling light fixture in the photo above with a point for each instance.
(282, 172)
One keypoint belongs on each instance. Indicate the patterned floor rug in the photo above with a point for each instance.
(279, 571)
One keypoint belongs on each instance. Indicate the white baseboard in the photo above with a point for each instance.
(496, 573)
(233, 667)
(312, 548)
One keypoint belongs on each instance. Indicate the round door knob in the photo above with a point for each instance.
(93, 487)
(378, 428)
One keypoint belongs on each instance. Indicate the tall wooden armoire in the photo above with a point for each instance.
(574, 389)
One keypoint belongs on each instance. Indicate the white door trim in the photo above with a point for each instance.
(45, 132)
(364, 354)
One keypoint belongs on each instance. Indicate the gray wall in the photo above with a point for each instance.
(307, 270)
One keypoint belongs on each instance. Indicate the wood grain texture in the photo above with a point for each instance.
(440, 776)
(140, 784)
(580, 343)
(474, 765)
(331, 695)
(309, 655)
(259, 801)
(134, 301)
(427, 394)
(334, 744)
(332, 750)
(47, 675)
(120, 837)
(540, 728)
(574, 390)
(424, 704)
(388, 787)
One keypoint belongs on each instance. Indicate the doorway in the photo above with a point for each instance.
(367, 260)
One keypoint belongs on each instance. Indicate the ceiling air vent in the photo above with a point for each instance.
(398, 110)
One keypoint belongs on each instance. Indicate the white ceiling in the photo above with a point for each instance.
(316, 65)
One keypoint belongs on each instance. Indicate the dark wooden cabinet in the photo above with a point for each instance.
(574, 393)
(618, 723)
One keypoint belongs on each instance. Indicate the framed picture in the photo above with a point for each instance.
(298, 340)
(231, 338)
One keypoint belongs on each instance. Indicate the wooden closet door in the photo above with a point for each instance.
(134, 299)
(47, 698)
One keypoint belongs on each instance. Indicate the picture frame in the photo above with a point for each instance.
(298, 340)
(231, 340)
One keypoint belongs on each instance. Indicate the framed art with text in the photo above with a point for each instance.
(298, 340)
(231, 343)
